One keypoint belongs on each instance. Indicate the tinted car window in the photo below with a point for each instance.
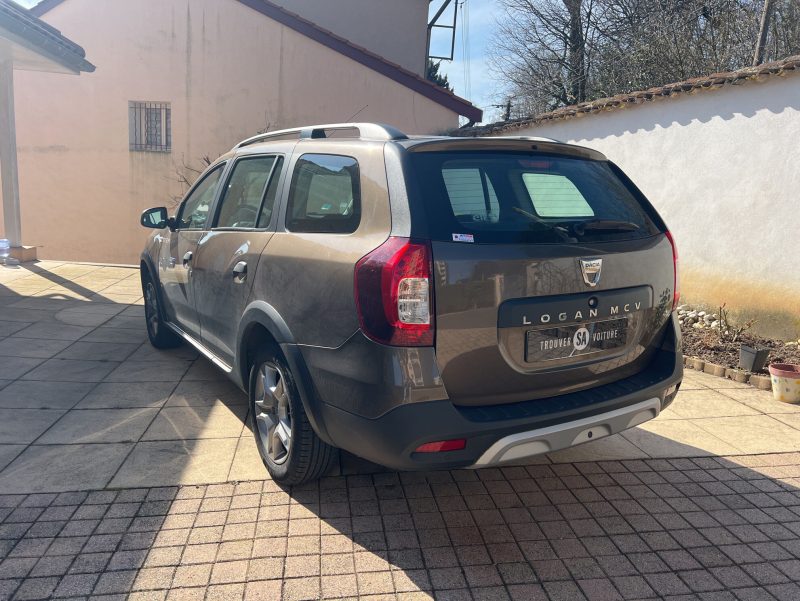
(471, 194)
(324, 195)
(245, 191)
(194, 210)
(520, 197)
(555, 196)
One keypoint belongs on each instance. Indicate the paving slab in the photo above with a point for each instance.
(181, 423)
(104, 334)
(149, 371)
(166, 463)
(31, 347)
(8, 452)
(754, 433)
(9, 327)
(677, 438)
(147, 352)
(23, 426)
(761, 400)
(247, 463)
(204, 394)
(708, 403)
(52, 330)
(81, 318)
(59, 468)
(14, 367)
(120, 395)
(99, 425)
(204, 370)
(23, 394)
(98, 351)
(126, 322)
(69, 370)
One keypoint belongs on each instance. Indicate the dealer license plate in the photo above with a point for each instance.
(575, 340)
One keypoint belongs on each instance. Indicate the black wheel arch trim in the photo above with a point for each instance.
(263, 314)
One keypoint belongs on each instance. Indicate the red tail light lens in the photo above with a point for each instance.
(394, 293)
(677, 282)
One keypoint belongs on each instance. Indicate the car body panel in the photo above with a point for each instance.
(482, 363)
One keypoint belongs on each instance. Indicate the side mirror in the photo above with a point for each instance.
(155, 218)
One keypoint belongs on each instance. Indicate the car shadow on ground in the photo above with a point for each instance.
(591, 530)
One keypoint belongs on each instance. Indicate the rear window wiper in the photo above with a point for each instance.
(558, 229)
(604, 225)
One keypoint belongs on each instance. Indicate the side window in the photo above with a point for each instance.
(245, 191)
(272, 192)
(194, 210)
(325, 195)
(555, 196)
(471, 194)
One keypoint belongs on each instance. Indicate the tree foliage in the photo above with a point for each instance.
(433, 74)
(552, 53)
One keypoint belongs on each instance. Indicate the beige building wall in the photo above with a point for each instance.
(227, 71)
(395, 29)
(721, 167)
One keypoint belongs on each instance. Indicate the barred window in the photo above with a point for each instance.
(150, 126)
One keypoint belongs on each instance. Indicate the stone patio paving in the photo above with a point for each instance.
(127, 472)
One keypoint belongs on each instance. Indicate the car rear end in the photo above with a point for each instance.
(543, 282)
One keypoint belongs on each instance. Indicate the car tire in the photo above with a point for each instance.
(290, 449)
(160, 335)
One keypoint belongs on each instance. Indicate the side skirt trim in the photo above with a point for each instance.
(199, 346)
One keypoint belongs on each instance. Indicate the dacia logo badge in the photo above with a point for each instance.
(591, 269)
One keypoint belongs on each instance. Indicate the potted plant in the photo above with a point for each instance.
(753, 359)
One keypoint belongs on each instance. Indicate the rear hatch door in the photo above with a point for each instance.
(551, 273)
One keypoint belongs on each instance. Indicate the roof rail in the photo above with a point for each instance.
(531, 138)
(366, 131)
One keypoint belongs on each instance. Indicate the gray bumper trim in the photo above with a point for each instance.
(544, 440)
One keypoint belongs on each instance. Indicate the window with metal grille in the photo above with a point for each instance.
(150, 126)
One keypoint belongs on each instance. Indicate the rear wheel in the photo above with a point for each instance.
(288, 445)
(159, 334)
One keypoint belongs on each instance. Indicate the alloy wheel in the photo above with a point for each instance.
(273, 412)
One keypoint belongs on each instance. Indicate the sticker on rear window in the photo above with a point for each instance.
(463, 238)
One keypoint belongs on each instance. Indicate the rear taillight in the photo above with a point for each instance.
(677, 281)
(394, 293)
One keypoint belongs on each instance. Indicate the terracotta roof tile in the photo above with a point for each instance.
(708, 82)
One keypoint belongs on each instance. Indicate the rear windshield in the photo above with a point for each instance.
(517, 197)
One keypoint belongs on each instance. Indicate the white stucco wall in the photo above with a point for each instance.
(228, 72)
(722, 168)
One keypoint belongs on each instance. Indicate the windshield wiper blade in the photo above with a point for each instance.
(558, 229)
(604, 225)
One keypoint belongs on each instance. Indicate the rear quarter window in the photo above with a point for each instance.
(325, 195)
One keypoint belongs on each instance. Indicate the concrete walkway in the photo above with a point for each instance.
(129, 472)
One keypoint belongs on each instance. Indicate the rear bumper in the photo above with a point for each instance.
(501, 433)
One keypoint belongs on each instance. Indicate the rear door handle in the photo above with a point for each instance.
(240, 271)
(187, 258)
